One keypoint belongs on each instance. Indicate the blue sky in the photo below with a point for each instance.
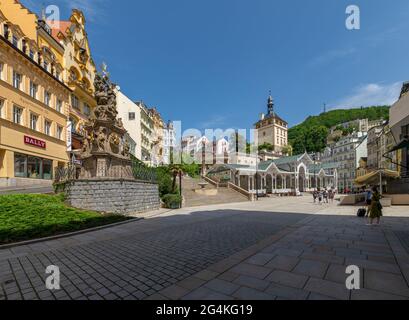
(211, 63)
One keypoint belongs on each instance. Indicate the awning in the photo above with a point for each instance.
(373, 177)
(403, 144)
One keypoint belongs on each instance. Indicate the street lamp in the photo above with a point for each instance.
(257, 174)
(315, 178)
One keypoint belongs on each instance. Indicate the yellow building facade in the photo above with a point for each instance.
(79, 72)
(34, 101)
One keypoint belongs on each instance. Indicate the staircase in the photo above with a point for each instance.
(193, 199)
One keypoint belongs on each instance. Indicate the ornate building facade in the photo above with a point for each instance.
(34, 101)
(287, 175)
(79, 73)
(157, 150)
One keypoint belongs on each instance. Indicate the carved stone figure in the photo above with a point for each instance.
(105, 152)
(100, 139)
(126, 148)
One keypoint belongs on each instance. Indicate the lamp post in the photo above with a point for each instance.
(315, 174)
(257, 174)
(180, 171)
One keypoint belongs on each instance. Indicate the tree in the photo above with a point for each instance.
(287, 150)
(310, 135)
(266, 146)
(176, 170)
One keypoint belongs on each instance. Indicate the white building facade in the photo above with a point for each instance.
(130, 114)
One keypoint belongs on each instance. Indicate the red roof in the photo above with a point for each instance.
(63, 26)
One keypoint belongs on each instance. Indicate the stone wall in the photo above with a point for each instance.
(113, 196)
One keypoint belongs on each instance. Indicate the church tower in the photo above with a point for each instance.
(271, 129)
(270, 105)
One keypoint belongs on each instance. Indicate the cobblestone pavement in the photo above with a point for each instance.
(272, 249)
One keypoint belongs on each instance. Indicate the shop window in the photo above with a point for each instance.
(20, 165)
(47, 169)
(33, 168)
(17, 113)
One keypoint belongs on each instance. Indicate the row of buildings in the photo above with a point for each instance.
(374, 152)
(47, 95)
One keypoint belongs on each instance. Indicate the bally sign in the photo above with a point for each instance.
(34, 142)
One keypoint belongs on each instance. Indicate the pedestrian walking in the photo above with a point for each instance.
(314, 195)
(331, 195)
(375, 209)
(368, 200)
(319, 196)
(325, 195)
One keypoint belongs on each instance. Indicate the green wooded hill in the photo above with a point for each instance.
(311, 135)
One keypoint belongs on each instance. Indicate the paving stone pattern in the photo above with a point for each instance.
(135, 263)
(310, 263)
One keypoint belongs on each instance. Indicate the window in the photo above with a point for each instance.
(33, 121)
(33, 90)
(75, 102)
(47, 98)
(59, 105)
(6, 31)
(31, 54)
(33, 167)
(1, 108)
(17, 79)
(131, 116)
(20, 165)
(15, 41)
(87, 109)
(1, 71)
(45, 65)
(59, 132)
(47, 127)
(47, 169)
(73, 125)
(17, 113)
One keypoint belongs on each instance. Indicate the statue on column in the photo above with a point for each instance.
(105, 152)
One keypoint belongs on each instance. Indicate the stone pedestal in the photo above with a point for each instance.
(113, 196)
(106, 180)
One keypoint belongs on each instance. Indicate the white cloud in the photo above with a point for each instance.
(370, 95)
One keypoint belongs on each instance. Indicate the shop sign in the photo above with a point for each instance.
(34, 142)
